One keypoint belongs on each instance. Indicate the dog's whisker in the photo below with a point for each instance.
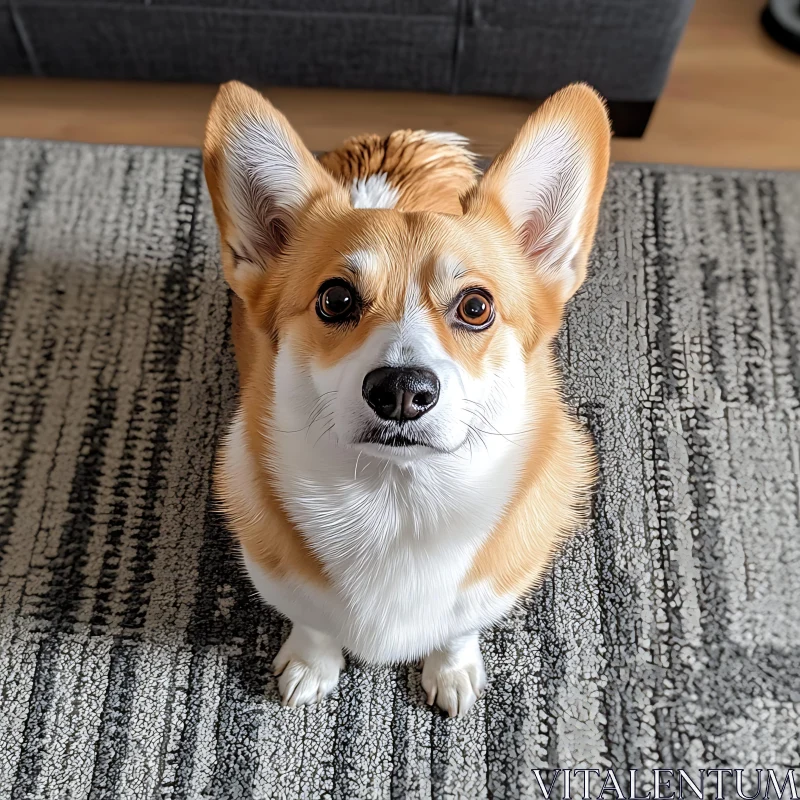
(319, 407)
(327, 430)
(358, 458)
(478, 435)
(496, 432)
(323, 411)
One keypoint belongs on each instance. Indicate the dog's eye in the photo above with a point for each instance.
(336, 301)
(475, 309)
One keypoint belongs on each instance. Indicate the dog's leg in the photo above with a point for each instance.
(454, 677)
(308, 665)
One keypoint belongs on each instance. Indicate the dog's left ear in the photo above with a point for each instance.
(261, 178)
(549, 184)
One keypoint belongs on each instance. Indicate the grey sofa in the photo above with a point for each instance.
(523, 48)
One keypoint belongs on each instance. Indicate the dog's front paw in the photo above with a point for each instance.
(454, 678)
(308, 666)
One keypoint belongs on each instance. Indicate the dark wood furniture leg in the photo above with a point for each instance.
(629, 118)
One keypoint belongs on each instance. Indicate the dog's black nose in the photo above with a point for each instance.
(401, 393)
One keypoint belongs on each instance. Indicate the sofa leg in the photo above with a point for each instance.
(629, 118)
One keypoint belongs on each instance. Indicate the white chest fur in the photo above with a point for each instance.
(396, 543)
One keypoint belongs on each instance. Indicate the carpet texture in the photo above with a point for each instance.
(133, 656)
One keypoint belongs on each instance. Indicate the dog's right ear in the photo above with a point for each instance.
(261, 178)
(549, 184)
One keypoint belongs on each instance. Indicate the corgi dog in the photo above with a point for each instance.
(401, 468)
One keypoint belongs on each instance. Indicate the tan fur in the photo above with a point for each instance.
(268, 535)
(542, 514)
(553, 495)
(429, 174)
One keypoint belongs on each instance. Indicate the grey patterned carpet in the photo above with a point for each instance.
(134, 657)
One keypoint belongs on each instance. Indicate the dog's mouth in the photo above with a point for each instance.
(394, 439)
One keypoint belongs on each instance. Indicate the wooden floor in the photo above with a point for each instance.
(733, 99)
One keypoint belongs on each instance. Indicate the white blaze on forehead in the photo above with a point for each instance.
(415, 341)
(374, 191)
(412, 306)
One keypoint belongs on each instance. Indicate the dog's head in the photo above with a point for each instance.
(409, 329)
